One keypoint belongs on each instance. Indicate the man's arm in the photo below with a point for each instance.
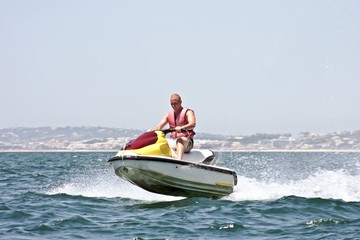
(161, 124)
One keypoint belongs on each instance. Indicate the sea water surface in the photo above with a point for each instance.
(280, 195)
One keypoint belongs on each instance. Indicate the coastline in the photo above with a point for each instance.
(215, 150)
(99, 139)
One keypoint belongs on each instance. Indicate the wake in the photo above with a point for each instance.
(325, 184)
(105, 184)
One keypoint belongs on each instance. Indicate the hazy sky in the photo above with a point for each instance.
(244, 67)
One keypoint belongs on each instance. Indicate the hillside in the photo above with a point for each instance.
(102, 138)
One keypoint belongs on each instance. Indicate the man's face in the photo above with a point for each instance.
(175, 103)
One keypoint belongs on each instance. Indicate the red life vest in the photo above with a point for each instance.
(179, 121)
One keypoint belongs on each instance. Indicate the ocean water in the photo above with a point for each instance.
(76, 195)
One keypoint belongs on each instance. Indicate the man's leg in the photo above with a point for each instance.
(181, 145)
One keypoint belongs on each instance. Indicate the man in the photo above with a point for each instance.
(183, 121)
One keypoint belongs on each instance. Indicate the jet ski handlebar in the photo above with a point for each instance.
(169, 130)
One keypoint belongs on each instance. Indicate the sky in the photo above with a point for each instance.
(244, 67)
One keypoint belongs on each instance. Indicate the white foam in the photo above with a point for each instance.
(105, 184)
(326, 184)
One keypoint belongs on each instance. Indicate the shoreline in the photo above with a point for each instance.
(217, 150)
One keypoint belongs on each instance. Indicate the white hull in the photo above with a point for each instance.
(165, 175)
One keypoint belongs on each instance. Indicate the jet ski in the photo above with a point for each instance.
(148, 162)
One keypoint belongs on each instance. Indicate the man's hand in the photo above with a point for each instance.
(178, 129)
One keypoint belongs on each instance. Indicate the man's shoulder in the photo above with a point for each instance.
(189, 110)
